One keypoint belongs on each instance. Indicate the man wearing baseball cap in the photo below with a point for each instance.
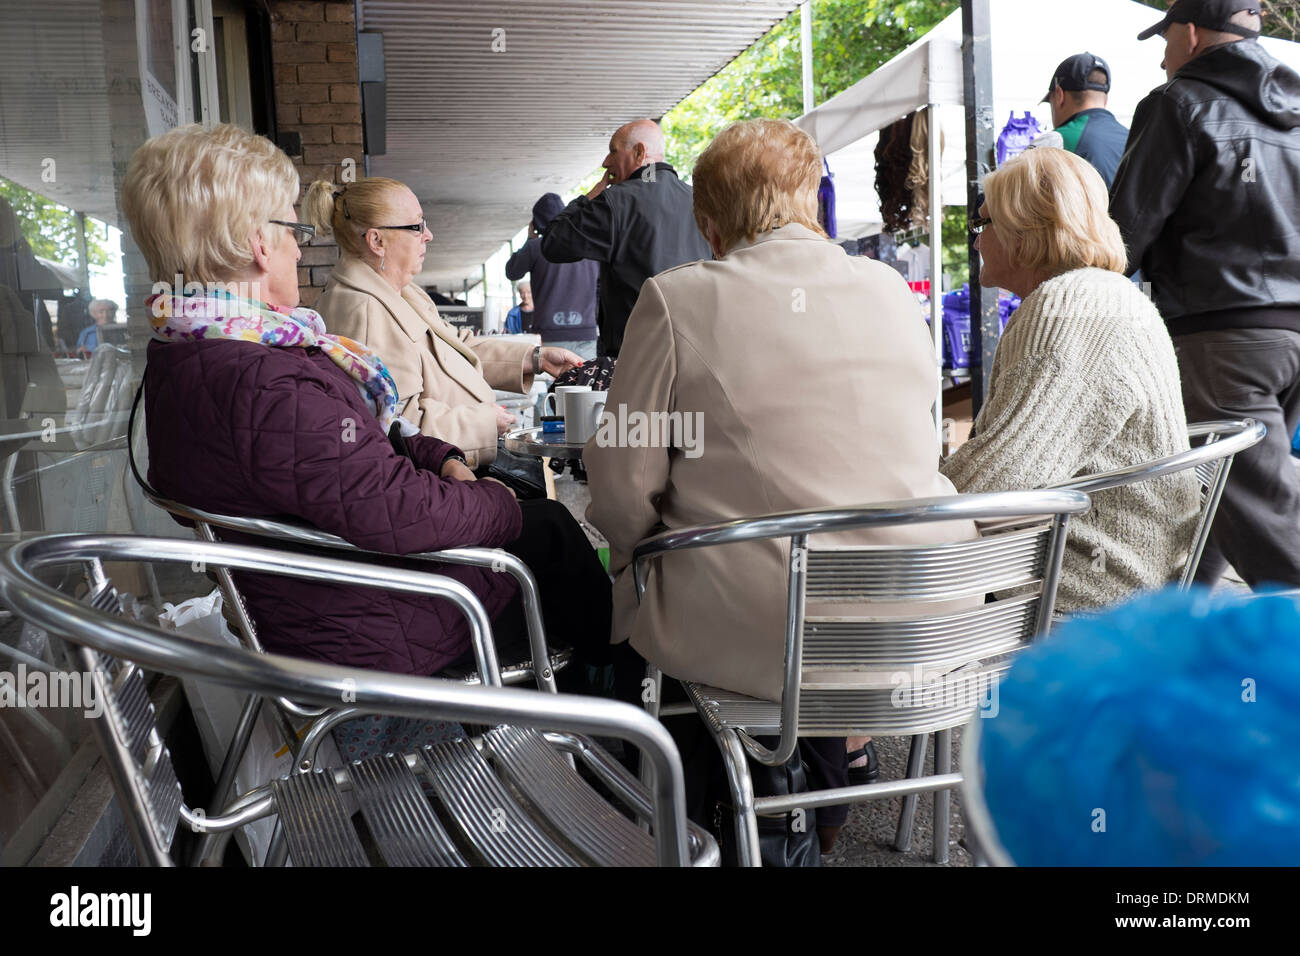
(1207, 197)
(1078, 100)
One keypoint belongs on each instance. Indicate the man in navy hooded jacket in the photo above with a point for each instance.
(564, 293)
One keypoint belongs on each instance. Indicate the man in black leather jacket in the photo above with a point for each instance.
(636, 222)
(1208, 199)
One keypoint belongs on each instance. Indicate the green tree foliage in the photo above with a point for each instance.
(51, 229)
(851, 38)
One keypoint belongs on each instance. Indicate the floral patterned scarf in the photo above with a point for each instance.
(216, 314)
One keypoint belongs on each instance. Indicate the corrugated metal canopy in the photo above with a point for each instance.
(55, 137)
(480, 133)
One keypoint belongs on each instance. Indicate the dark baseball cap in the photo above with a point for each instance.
(1073, 74)
(546, 209)
(1210, 14)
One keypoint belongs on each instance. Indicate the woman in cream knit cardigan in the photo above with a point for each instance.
(1084, 379)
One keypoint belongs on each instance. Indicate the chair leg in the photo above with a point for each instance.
(742, 798)
(906, 817)
(234, 758)
(942, 798)
(654, 674)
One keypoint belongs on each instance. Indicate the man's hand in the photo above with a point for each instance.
(505, 417)
(558, 361)
(606, 180)
(451, 468)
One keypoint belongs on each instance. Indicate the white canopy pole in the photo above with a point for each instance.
(805, 54)
(936, 259)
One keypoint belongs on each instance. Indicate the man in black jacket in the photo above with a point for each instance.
(636, 222)
(1208, 199)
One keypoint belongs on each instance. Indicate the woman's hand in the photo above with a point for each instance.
(502, 484)
(505, 419)
(558, 361)
(456, 470)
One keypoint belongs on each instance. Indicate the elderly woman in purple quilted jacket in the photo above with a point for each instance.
(253, 409)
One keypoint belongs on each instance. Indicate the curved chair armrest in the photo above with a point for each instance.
(1233, 437)
(495, 559)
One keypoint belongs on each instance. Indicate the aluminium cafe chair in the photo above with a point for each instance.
(507, 798)
(284, 712)
(842, 674)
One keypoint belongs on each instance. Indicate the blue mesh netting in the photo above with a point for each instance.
(1140, 713)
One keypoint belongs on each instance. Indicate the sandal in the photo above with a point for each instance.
(858, 776)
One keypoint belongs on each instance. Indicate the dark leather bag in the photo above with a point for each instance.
(786, 841)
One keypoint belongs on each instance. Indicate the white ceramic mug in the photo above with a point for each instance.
(582, 411)
(554, 402)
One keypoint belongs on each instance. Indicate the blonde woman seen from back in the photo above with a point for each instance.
(445, 376)
(1084, 379)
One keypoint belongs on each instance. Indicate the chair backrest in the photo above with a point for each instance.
(843, 672)
(1210, 462)
(112, 649)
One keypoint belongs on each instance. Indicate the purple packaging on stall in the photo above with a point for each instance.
(956, 329)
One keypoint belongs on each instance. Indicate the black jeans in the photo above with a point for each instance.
(1250, 373)
(573, 589)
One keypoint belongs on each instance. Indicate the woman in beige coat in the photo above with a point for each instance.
(445, 376)
(803, 378)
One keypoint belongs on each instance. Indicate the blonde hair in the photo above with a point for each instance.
(1051, 210)
(195, 196)
(757, 175)
(349, 210)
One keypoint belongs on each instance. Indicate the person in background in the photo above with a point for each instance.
(445, 376)
(520, 318)
(717, 615)
(1208, 201)
(636, 222)
(1084, 380)
(565, 292)
(103, 312)
(1078, 97)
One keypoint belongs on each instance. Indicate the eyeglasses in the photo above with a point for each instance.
(302, 233)
(413, 227)
(979, 224)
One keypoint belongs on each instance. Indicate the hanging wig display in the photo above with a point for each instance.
(903, 173)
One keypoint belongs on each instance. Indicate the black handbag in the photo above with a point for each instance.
(786, 841)
(521, 475)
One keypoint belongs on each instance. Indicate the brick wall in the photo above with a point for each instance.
(314, 51)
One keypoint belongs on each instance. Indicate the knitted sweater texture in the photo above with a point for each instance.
(1084, 381)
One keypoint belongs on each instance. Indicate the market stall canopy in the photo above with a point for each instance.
(1029, 38)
